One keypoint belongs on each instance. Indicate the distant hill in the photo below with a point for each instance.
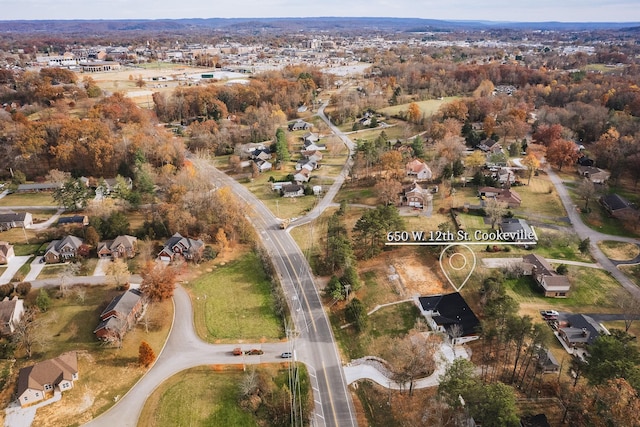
(255, 25)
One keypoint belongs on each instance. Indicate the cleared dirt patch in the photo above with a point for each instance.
(619, 251)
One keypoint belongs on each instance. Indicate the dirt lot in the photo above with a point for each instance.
(407, 273)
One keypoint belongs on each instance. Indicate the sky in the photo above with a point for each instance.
(484, 10)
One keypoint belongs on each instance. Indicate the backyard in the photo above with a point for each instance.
(106, 373)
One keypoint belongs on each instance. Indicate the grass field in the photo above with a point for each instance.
(197, 397)
(234, 303)
(591, 292)
(210, 396)
(427, 107)
(28, 199)
(633, 272)
(619, 251)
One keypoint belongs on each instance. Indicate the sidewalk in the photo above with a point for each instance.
(444, 357)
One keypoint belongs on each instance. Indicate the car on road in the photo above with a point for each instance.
(237, 351)
(254, 352)
(549, 314)
(286, 355)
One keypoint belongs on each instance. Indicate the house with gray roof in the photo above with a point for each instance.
(552, 284)
(121, 247)
(181, 247)
(9, 220)
(119, 316)
(580, 331)
(11, 312)
(62, 250)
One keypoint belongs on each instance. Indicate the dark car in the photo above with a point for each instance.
(254, 352)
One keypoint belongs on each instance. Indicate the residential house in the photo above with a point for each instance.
(38, 382)
(39, 186)
(503, 195)
(619, 207)
(551, 283)
(580, 330)
(313, 146)
(11, 312)
(302, 175)
(300, 125)
(179, 246)
(416, 196)
(593, 174)
(312, 155)
(75, 219)
(519, 229)
(277, 186)
(292, 190)
(490, 146)
(11, 220)
(451, 315)
(547, 362)
(418, 169)
(62, 250)
(264, 165)
(120, 315)
(110, 185)
(262, 153)
(6, 252)
(310, 137)
(121, 247)
(504, 176)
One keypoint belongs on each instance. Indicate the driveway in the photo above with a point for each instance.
(505, 262)
(36, 268)
(49, 222)
(101, 266)
(14, 265)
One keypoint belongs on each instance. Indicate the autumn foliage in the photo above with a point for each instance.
(146, 355)
(158, 281)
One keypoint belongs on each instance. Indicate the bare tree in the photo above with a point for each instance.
(118, 272)
(495, 210)
(80, 293)
(455, 331)
(29, 333)
(587, 192)
(412, 358)
(71, 269)
(629, 307)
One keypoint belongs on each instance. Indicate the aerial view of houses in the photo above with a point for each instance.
(438, 224)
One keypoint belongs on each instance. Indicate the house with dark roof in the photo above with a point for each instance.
(38, 186)
(62, 250)
(11, 312)
(40, 381)
(519, 229)
(444, 312)
(619, 207)
(121, 247)
(120, 315)
(299, 125)
(292, 190)
(547, 362)
(75, 219)
(11, 220)
(181, 247)
(552, 284)
(580, 330)
(539, 420)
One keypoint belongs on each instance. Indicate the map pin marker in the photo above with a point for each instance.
(457, 262)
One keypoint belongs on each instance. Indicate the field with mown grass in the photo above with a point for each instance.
(211, 396)
(28, 199)
(427, 108)
(234, 302)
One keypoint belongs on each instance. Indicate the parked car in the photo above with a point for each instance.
(286, 355)
(549, 314)
(254, 352)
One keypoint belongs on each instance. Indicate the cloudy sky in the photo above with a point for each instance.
(494, 10)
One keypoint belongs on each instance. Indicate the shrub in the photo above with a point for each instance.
(6, 290)
(43, 301)
(23, 288)
(146, 355)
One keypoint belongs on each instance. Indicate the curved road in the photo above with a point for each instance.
(584, 231)
(183, 350)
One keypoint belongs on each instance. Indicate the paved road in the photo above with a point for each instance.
(183, 350)
(583, 232)
(505, 262)
(315, 344)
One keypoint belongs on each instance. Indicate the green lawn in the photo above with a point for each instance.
(28, 199)
(204, 396)
(591, 291)
(197, 397)
(234, 302)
